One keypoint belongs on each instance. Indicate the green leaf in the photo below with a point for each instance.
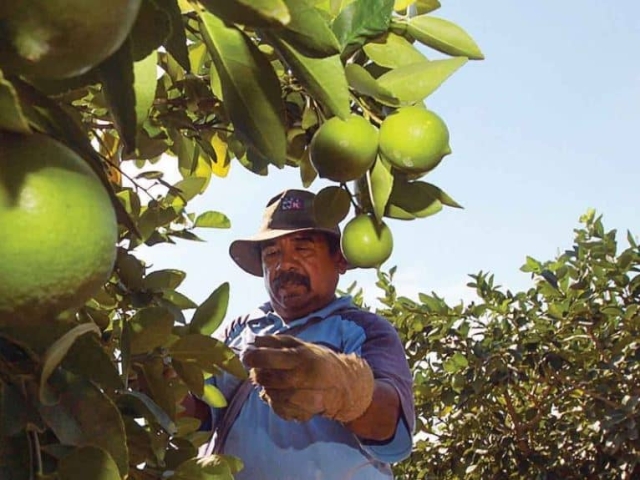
(255, 163)
(532, 265)
(185, 150)
(212, 219)
(307, 173)
(443, 36)
(380, 185)
(362, 19)
(137, 404)
(176, 43)
(178, 299)
(144, 74)
(365, 84)
(191, 374)
(426, 6)
(209, 353)
(89, 358)
(413, 83)
(214, 397)
(16, 414)
(150, 328)
(163, 279)
(88, 462)
(255, 13)
(150, 30)
(410, 200)
(130, 270)
(161, 390)
(434, 191)
(308, 30)
(116, 75)
(392, 51)
(331, 206)
(324, 78)
(208, 468)
(86, 416)
(185, 190)
(54, 355)
(455, 363)
(11, 114)
(209, 315)
(250, 89)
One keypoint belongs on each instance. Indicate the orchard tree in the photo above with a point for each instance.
(333, 88)
(539, 384)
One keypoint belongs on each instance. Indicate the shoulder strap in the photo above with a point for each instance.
(223, 426)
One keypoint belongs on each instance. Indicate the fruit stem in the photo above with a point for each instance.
(367, 113)
(353, 202)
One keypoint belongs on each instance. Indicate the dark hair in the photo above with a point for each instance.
(333, 241)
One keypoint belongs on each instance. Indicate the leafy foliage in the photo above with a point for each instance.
(535, 384)
(96, 392)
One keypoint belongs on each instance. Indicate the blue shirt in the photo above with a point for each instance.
(321, 449)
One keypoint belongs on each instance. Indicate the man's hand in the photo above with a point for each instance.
(301, 379)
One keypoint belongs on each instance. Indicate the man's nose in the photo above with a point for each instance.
(287, 260)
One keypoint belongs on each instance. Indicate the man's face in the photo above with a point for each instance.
(301, 273)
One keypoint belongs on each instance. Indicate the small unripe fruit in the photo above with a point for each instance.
(59, 229)
(343, 150)
(414, 140)
(366, 243)
(62, 38)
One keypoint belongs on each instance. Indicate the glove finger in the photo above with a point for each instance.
(277, 341)
(276, 358)
(277, 379)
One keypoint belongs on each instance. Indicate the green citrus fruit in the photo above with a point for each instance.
(366, 243)
(414, 140)
(59, 229)
(343, 150)
(62, 38)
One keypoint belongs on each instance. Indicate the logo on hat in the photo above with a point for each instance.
(291, 203)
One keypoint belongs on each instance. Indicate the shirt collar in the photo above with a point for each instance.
(324, 312)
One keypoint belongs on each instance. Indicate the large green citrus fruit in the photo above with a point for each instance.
(414, 140)
(62, 38)
(343, 150)
(366, 243)
(59, 229)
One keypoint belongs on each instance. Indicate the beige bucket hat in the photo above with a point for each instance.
(288, 212)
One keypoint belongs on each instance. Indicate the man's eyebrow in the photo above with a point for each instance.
(305, 238)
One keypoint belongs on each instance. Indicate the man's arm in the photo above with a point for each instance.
(380, 419)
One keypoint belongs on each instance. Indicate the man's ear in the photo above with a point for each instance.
(342, 263)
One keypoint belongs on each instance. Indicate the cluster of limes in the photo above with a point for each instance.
(412, 140)
(59, 229)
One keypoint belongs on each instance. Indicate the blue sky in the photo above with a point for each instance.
(543, 129)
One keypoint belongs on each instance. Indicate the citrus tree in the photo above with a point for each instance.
(537, 384)
(86, 86)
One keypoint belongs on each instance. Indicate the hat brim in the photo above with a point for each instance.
(246, 252)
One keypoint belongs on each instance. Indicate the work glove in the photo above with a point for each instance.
(301, 379)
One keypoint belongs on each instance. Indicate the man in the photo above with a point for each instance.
(330, 390)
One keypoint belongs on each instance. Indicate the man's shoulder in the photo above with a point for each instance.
(365, 319)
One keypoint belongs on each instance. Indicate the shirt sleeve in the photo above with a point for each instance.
(380, 346)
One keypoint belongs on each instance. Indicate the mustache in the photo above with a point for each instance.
(291, 277)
